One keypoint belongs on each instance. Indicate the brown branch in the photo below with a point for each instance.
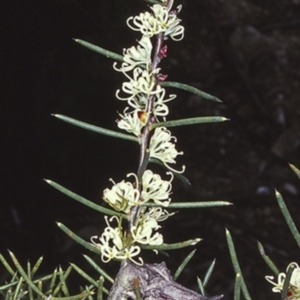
(155, 282)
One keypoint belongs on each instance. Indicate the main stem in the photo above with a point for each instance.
(145, 135)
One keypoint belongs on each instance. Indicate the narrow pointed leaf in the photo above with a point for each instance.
(36, 266)
(192, 204)
(52, 282)
(62, 279)
(59, 285)
(172, 246)
(78, 239)
(267, 259)
(286, 283)
(237, 287)
(30, 292)
(99, 50)
(96, 129)
(100, 288)
(82, 296)
(288, 218)
(98, 268)
(24, 275)
(208, 273)
(84, 200)
(191, 89)
(200, 286)
(189, 121)
(18, 288)
(6, 265)
(295, 170)
(236, 265)
(153, 2)
(84, 275)
(183, 264)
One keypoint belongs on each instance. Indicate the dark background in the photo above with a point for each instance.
(245, 52)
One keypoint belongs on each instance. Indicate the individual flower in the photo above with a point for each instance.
(146, 23)
(156, 189)
(142, 232)
(158, 213)
(122, 196)
(294, 285)
(162, 148)
(113, 244)
(133, 122)
(136, 56)
(141, 82)
(169, 22)
(162, 20)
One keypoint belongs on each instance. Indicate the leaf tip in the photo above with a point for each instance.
(277, 194)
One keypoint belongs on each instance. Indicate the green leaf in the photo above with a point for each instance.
(96, 129)
(172, 246)
(267, 259)
(62, 279)
(24, 275)
(189, 121)
(192, 204)
(6, 265)
(208, 273)
(98, 268)
(191, 89)
(99, 50)
(36, 266)
(288, 217)
(200, 286)
(236, 265)
(286, 283)
(100, 288)
(237, 287)
(84, 275)
(84, 201)
(295, 170)
(183, 264)
(78, 239)
(152, 1)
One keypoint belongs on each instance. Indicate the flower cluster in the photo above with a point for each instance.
(294, 285)
(146, 104)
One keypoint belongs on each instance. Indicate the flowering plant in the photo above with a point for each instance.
(144, 200)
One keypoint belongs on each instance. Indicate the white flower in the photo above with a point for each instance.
(142, 82)
(163, 149)
(294, 286)
(158, 214)
(122, 196)
(169, 22)
(156, 189)
(113, 244)
(160, 21)
(146, 23)
(160, 108)
(137, 56)
(143, 232)
(133, 122)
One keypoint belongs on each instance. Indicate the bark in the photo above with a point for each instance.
(155, 283)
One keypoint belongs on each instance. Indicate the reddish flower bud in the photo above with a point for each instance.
(161, 77)
(163, 52)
